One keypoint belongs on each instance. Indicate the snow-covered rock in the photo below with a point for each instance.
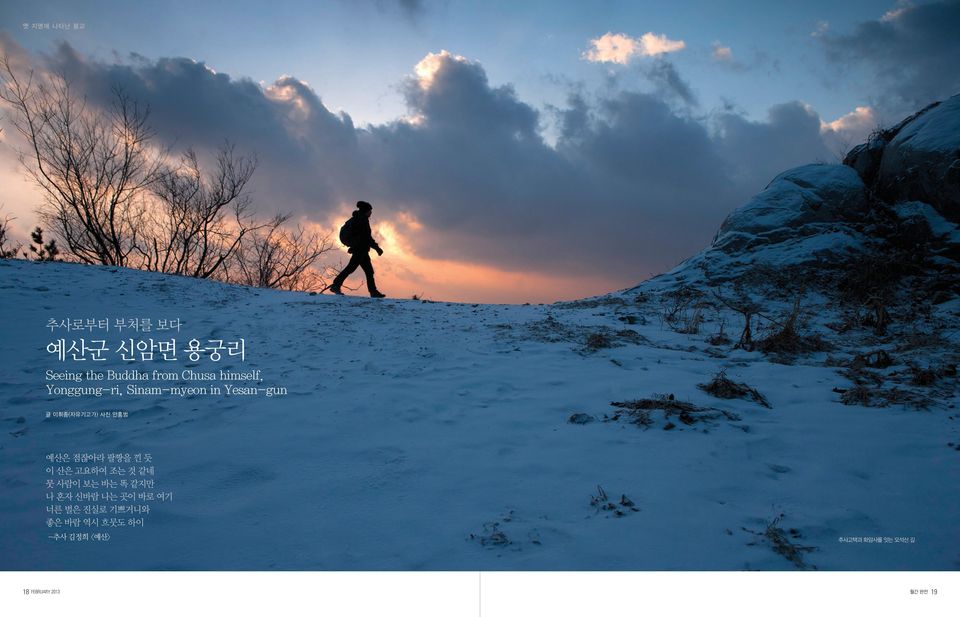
(806, 215)
(916, 160)
(927, 222)
(803, 195)
(899, 191)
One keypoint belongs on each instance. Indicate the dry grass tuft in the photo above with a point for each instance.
(723, 387)
(788, 341)
(640, 412)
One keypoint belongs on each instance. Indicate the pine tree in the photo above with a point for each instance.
(42, 251)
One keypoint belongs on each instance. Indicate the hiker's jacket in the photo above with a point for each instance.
(363, 238)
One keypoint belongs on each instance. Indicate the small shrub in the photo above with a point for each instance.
(931, 375)
(666, 402)
(597, 341)
(788, 341)
(580, 418)
(857, 395)
(639, 412)
(723, 387)
(873, 275)
(872, 359)
(782, 543)
(682, 309)
(866, 396)
(920, 340)
(720, 338)
(41, 250)
(491, 535)
(923, 376)
(862, 376)
(630, 336)
(6, 252)
(747, 308)
(602, 502)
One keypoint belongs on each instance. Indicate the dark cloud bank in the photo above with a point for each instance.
(912, 54)
(632, 185)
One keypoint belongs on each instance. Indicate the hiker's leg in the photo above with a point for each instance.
(353, 264)
(367, 266)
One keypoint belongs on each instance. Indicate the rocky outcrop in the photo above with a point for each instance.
(894, 204)
(804, 195)
(916, 160)
(805, 215)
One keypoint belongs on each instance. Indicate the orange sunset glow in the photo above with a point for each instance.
(403, 273)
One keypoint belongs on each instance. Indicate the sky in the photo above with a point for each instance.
(514, 152)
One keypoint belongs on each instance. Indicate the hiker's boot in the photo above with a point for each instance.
(377, 294)
(335, 289)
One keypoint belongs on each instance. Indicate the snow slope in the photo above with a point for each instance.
(435, 436)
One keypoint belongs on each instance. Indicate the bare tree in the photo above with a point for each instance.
(199, 220)
(749, 309)
(280, 258)
(5, 251)
(91, 165)
(113, 199)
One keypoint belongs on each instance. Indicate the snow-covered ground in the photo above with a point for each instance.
(434, 436)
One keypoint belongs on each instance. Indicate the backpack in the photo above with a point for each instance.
(348, 232)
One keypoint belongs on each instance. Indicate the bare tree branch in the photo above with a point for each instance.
(280, 258)
(91, 165)
(199, 220)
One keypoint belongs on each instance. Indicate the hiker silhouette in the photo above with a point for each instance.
(356, 234)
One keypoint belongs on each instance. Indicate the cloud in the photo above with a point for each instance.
(663, 74)
(848, 130)
(911, 54)
(411, 9)
(758, 151)
(285, 121)
(620, 48)
(751, 59)
(656, 44)
(453, 93)
(632, 186)
(860, 119)
(723, 56)
(426, 70)
(722, 53)
(894, 13)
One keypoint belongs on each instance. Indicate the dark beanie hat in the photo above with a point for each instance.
(364, 206)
